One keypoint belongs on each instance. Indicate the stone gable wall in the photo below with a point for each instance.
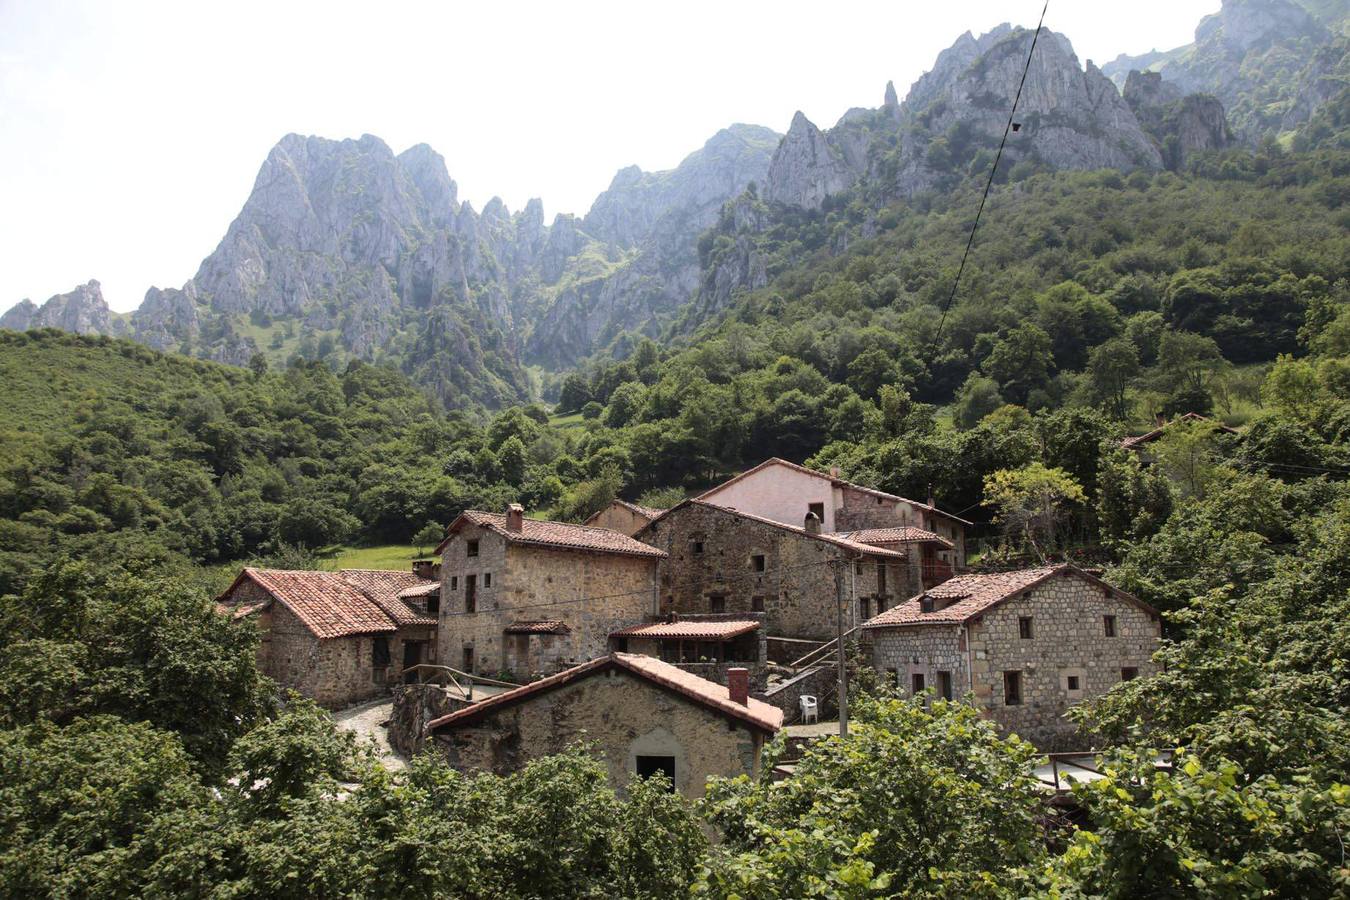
(621, 716)
(797, 584)
(535, 584)
(1068, 638)
(617, 517)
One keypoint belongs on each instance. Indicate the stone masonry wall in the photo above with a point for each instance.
(898, 654)
(535, 584)
(622, 716)
(796, 587)
(620, 518)
(334, 672)
(1068, 639)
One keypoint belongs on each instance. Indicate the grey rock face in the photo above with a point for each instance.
(167, 317)
(83, 311)
(1263, 59)
(805, 168)
(19, 317)
(1180, 126)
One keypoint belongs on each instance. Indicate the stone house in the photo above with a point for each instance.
(337, 637)
(1026, 645)
(640, 715)
(624, 517)
(728, 562)
(525, 597)
(785, 492)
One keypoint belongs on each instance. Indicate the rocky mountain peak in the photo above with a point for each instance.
(805, 169)
(1244, 25)
(82, 310)
(891, 101)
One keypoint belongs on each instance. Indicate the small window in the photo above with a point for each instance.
(757, 604)
(945, 685)
(698, 548)
(916, 683)
(864, 608)
(454, 582)
(1073, 682)
(1024, 627)
(1109, 626)
(818, 509)
(487, 579)
(471, 548)
(1012, 688)
(468, 659)
(380, 651)
(433, 604)
(1129, 673)
(717, 604)
(757, 562)
(647, 766)
(858, 567)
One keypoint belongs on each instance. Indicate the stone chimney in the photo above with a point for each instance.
(738, 684)
(515, 518)
(931, 501)
(812, 525)
(834, 471)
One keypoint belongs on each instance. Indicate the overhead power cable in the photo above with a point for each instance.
(993, 170)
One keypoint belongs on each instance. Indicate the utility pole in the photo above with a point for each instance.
(839, 641)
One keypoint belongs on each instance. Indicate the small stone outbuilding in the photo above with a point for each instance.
(337, 637)
(640, 715)
(525, 598)
(1026, 645)
(624, 517)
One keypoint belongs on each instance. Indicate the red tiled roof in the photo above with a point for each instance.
(755, 713)
(242, 610)
(558, 535)
(967, 596)
(385, 587)
(426, 588)
(834, 480)
(903, 534)
(326, 603)
(837, 540)
(551, 626)
(690, 631)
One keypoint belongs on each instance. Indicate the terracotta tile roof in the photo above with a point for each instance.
(903, 534)
(690, 631)
(424, 589)
(837, 540)
(559, 535)
(242, 610)
(962, 598)
(385, 587)
(647, 512)
(834, 480)
(551, 626)
(327, 604)
(1132, 443)
(755, 713)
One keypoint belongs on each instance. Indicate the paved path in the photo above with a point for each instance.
(364, 720)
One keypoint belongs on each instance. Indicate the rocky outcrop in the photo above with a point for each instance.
(805, 168)
(1266, 61)
(82, 311)
(1180, 126)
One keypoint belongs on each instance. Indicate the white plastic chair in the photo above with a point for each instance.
(810, 709)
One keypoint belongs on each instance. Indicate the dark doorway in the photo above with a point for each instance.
(647, 766)
(412, 656)
(470, 593)
(468, 659)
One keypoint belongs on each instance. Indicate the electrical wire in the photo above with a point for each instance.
(993, 170)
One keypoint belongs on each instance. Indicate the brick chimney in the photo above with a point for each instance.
(812, 525)
(738, 684)
(515, 518)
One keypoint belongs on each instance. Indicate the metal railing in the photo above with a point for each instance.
(827, 647)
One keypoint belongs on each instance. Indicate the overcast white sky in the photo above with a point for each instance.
(130, 132)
